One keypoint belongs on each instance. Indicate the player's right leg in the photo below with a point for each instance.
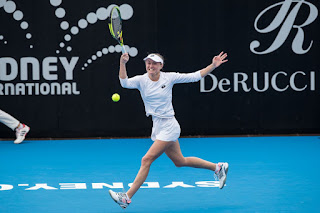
(120, 198)
(157, 148)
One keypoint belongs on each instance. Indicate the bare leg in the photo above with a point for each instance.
(174, 153)
(157, 149)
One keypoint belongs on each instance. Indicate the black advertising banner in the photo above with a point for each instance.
(59, 66)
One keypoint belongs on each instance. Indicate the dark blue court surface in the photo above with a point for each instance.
(266, 174)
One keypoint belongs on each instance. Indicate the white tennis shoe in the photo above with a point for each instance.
(21, 133)
(221, 175)
(120, 198)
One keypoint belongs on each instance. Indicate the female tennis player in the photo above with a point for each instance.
(20, 128)
(155, 87)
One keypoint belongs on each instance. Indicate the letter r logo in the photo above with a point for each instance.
(288, 23)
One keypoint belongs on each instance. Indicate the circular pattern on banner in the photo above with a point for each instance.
(64, 25)
(67, 37)
(24, 25)
(55, 3)
(105, 51)
(74, 30)
(18, 15)
(126, 11)
(60, 12)
(92, 18)
(9, 7)
(102, 13)
(82, 23)
(99, 54)
(111, 49)
(2, 3)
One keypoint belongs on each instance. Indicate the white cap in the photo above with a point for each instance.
(154, 57)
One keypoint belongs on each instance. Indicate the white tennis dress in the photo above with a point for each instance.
(157, 99)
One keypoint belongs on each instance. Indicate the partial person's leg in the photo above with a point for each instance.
(157, 148)
(220, 169)
(8, 120)
(174, 153)
(20, 128)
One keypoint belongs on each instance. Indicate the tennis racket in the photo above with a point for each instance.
(115, 26)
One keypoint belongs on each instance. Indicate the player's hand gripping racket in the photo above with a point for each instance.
(115, 26)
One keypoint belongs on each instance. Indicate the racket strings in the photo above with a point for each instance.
(116, 24)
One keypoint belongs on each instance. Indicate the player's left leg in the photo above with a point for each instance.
(175, 154)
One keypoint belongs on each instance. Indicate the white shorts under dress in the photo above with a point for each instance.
(165, 129)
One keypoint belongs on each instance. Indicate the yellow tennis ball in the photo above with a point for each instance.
(115, 97)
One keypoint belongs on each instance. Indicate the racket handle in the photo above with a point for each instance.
(123, 49)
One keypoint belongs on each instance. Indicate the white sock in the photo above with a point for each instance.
(20, 126)
(218, 167)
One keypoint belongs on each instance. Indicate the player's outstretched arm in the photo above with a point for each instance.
(216, 62)
(122, 70)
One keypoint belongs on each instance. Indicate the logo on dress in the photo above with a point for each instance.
(163, 86)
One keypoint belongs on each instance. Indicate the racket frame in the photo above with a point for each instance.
(118, 38)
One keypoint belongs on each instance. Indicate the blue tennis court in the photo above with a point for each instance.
(266, 174)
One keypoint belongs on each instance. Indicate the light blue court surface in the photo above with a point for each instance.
(266, 174)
